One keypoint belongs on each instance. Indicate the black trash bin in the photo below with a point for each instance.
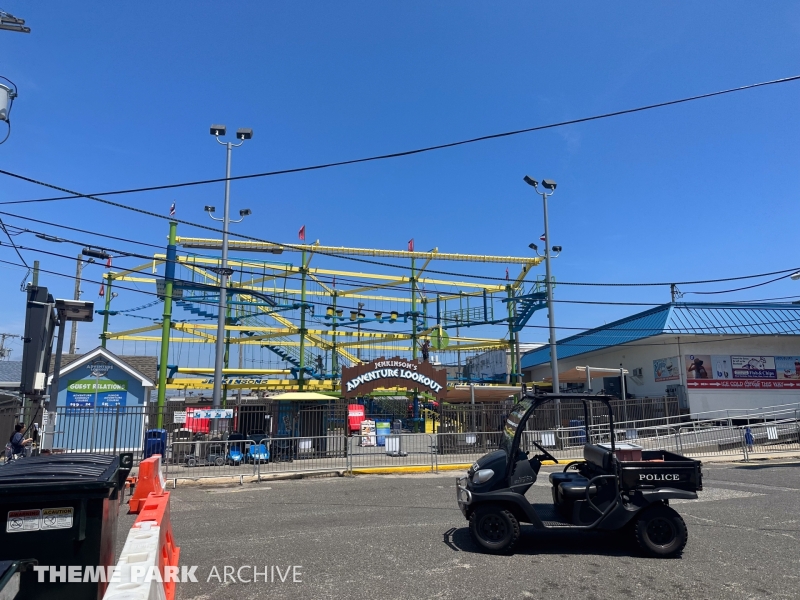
(61, 510)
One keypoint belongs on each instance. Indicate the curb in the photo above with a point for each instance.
(427, 469)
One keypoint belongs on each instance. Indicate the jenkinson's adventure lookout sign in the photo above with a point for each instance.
(393, 372)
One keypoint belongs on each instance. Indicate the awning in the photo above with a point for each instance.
(576, 376)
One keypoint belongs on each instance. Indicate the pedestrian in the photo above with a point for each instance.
(17, 442)
(426, 345)
(748, 439)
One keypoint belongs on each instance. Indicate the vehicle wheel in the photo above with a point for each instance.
(661, 532)
(191, 462)
(219, 461)
(494, 529)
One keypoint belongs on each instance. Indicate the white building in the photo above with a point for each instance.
(712, 356)
(493, 365)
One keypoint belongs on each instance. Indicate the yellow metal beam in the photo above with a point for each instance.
(115, 275)
(128, 332)
(211, 244)
(210, 371)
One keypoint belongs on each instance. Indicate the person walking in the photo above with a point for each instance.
(748, 439)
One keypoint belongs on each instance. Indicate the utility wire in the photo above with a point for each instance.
(16, 249)
(583, 330)
(384, 264)
(473, 140)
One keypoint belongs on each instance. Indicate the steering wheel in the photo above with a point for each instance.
(545, 452)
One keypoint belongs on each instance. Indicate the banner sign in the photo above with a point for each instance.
(212, 413)
(753, 367)
(667, 369)
(364, 378)
(82, 393)
(714, 371)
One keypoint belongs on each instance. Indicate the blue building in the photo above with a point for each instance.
(102, 401)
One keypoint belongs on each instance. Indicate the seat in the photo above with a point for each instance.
(599, 456)
(570, 491)
(562, 476)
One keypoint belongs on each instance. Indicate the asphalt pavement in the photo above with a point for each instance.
(402, 536)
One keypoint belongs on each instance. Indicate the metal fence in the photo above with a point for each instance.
(316, 441)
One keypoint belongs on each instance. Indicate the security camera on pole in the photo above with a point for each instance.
(224, 271)
(548, 184)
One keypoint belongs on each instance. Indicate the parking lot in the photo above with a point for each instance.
(402, 536)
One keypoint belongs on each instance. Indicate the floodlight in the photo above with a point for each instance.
(209, 209)
(533, 246)
(530, 181)
(549, 184)
(556, 248)
(796, 276)
(245, 212)
(244, 134)
(75, 310)
(95, 253)
(218, 130)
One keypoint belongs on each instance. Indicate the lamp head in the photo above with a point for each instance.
(795, 276)
(533, 246)
(245, 212)
(556, 248)
(244, 134)
(95, 253)
(549, 184)
(527, 179)
(218, 130)
(209, 209)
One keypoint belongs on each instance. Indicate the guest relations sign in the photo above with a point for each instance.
(393, 372)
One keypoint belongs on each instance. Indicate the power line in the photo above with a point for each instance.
(570, 344)
(384, 264)
(403, 153)
(10, 239)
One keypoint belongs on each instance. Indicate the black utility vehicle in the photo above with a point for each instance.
(600, 493)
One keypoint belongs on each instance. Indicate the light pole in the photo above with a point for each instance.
(548, 184)
(224, 271)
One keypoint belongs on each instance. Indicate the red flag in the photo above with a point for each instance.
(541, 237)
(302, 233)
(108, 263)
(506, 273)
(172, 210)
(411, 245)
(102, 290)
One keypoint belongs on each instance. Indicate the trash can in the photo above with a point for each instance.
(382, 429)
(397, 426)
(61, 510)
(155, 442)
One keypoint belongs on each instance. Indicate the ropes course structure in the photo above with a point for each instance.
(294, 319)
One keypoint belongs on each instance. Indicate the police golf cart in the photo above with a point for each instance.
(600, 493)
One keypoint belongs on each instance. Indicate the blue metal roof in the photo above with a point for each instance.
(680, 319)
(10, 371)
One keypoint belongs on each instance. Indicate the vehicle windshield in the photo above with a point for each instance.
(512, 424)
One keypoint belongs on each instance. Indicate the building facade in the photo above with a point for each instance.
(714, 357)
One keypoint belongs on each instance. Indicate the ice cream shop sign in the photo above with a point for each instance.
(393, 372)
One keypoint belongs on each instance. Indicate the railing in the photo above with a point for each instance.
(197, 448)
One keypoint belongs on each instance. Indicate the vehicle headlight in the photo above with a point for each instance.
(482, 476)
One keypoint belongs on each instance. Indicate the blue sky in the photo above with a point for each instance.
(121, 95)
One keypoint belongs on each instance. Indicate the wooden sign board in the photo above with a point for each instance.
(364, 378)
